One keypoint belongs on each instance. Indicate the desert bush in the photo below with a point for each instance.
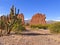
(43, 26)
(55, 27)
(33, 26)
(40, 26)
(19, 29)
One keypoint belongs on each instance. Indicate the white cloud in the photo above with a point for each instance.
(57, 20)
(27, 19)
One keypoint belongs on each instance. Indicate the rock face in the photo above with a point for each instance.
(21, 16)
(38, 19)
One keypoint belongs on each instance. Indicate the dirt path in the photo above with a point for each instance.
(31, 37)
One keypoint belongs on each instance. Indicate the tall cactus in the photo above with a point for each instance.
(12, 11)
(18, 11)
(15, 10)
(13, 19)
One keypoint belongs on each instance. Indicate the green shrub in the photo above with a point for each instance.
(40, 26)
(19, 30)
(34, 26)
(55, 28)
(43, 26)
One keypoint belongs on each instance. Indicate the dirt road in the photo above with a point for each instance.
(31, 37)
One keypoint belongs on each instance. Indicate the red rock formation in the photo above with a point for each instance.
(21, 16)
(38, 19)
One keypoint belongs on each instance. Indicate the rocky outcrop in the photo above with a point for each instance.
(38, 19)
(21, 16)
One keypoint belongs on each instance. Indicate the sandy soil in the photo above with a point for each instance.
(31, 37)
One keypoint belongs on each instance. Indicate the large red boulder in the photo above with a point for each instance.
(38, 19)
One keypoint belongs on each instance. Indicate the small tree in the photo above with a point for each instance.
(14, 22)
(11, 22)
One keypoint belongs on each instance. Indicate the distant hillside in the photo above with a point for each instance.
(51, 21)
(48, 22)
(27, 21)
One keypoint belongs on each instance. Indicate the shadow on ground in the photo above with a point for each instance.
(28, 33)
(33, 34)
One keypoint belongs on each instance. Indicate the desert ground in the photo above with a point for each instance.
(31, 37)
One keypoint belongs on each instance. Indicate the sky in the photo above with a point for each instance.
(51, 8)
